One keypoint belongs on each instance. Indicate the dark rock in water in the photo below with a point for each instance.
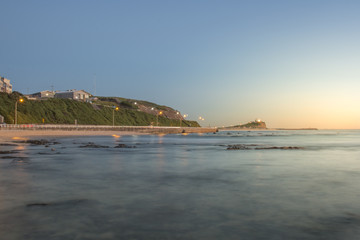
(9, 152)
(237, 147)
(12, 157)
(69, 203)
(7, 144)
(283, 148)
(121, 145)
(38, 142)
(93, 145)
(257, 147)
(20, 161)
(37, 204)
(242, 147)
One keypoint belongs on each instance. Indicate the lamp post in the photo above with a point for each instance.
(117, 109)
(185, 116)
(157, 117)
(177, 113)
(21, 100)
(201, 118)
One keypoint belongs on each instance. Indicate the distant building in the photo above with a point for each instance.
(42, 95)
(74, 94)
(5, 85)
(1, 119)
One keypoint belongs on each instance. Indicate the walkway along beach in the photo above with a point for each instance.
(10, 130)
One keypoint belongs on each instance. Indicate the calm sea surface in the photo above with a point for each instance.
(183, 187)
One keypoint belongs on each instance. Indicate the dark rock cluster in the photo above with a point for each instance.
(259, 147)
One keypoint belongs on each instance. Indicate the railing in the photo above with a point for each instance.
(73, 127)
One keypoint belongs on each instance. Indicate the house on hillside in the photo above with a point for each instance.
(1, 119)
(5, 85)
(42, 95)
(74, 94)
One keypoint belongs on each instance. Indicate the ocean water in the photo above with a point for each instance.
(183, 187)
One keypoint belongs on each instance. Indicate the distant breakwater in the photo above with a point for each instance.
(139, 129)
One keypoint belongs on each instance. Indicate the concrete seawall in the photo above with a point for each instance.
(139, 129)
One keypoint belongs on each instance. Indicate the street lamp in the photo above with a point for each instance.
(177, 113)
(185, 116)
(201, 118)
(117, 109)
(21, 100)
(157, 117)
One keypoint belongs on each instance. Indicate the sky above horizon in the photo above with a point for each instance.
(292, 64)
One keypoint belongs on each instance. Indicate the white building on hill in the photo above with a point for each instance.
(5, 85)
(42, 95)
(74, 94)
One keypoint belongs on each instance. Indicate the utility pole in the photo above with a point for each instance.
(95, 84)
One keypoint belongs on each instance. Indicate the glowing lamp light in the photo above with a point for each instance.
(21, 100)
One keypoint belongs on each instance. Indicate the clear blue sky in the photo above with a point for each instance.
(291, 63)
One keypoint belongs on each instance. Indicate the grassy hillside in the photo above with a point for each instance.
(254, 124)
(250, 125)
(65, 111)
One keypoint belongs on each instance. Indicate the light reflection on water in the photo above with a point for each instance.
(184, 187)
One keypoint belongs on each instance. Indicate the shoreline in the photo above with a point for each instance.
(9, 135)
(266, 129)
(12, 132)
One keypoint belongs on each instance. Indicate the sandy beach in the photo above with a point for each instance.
(8, 135)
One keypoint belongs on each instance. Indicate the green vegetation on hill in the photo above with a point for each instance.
(129, 102)
(65, 111)
(257, 124)
(254, 124)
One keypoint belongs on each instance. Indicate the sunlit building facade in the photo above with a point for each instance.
(5, 85)
(79, 95)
